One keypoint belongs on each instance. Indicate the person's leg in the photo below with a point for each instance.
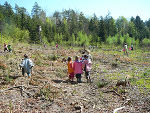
(80, 78)
(5, 49)
(23, 71)
(69, 78)
(72, 76)
(127, 53)
(77, 77)
(88, 77)
(29, 74)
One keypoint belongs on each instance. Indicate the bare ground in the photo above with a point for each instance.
(48, 90)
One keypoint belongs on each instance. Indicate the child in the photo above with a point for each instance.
(87, 67)
(89, 55)
(82, 58)
(125, 49)
(26, 66)
(70, 69)
(5, 47)
(9, 48)
(77, 66)
(132, 46)
(56, 46)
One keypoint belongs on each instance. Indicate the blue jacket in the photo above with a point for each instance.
(27, 64)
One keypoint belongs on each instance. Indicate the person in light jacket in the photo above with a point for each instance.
(26, 66)
(87, 65)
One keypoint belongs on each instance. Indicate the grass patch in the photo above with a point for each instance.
(48, 92)
(2, 66)
(61, 73)
(53, 57)
(8, 80)
(101, 84)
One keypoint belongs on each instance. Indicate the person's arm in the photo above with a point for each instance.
(74, 66)
(71, 65)
(31, 63)
(67, 68)
(21, 64)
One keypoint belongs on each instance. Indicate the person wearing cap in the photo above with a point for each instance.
(26, 66)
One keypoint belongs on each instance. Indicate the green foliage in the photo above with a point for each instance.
(82, 39)
(16, 33)
(109, 40)
(52, 43)
(48, 92)
(101, 84)
(21, 35)
(137, 42)
(70, 28)
(146, 73)
(44, 40)
(120, 40)
(8, 79)
(53, 57)
(72, 40)
(146, 41)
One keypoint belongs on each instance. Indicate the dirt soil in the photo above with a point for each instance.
(49, 91)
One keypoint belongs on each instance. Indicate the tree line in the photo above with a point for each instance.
(70, 27)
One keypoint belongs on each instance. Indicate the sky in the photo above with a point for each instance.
(116, 8)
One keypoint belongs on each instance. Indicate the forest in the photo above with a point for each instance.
(70, 27)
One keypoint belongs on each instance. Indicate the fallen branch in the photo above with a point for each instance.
(112, 91)
(117, 109)
(21, 90)
(11, 88)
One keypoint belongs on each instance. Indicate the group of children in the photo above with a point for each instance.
(7, 48)
(77, 67)
(126, 49)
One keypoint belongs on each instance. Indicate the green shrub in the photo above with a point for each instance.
(115, 39)
(15, 34)
(146, 41)
(109, 40)
(146, 73)
(52, 43)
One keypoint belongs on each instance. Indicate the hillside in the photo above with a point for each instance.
(117, 81)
